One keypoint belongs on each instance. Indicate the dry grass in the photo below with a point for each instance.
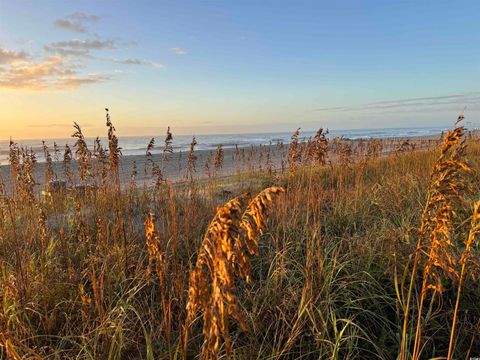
(104, 271)
(230, 238)
(447, 187)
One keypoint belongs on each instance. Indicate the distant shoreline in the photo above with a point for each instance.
(234, 161)
(136, 145)
(161, 135)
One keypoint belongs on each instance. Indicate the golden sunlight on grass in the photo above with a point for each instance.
(322, 248)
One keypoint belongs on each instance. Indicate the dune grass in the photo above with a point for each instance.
(136, 272)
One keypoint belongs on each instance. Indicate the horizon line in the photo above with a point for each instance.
(239, 133)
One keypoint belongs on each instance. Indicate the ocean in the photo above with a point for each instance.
(136, 145)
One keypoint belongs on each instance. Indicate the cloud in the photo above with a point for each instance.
(76, 22)
(61, 64)
(34, 76)
(79, 16)
(77, 47)
(73, 82)
(411, 103)
(51, 73)
(70, 25)
(135, 61)
(8, 56)
(178, 51)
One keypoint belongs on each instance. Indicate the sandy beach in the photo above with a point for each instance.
(173, 166)
(235, 160)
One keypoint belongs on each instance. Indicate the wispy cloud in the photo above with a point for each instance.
(178, 51)
(76, 22)
(52, 72)
(80, 16)
(77, 47)
(135, 61)
(64, 63)
(34, 76)
(431, 101)
(8, 56)
(72, 82)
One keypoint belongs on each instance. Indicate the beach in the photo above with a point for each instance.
(236, 160)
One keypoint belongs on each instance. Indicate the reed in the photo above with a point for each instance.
(168, 147)
(218, 159)
(294, 154)
(83, 154)
(114, 152)
(335, 257)
(446, 188)
(229, 238)
(49, 172)
(191, 160)
(470, 266)
(320, 148)
(102, 162)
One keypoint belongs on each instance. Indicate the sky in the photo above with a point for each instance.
(210, 67)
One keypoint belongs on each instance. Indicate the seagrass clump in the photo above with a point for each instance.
(218, 159)
(191, 160)
(14, 161)
(168, 147)
(343, 150)
(158, 175)
(435, 249)
(83, 154)
(374, 148)
(148, 156)
(294, 153)
(66, 165)
(27, 181)
(114, 151)
(102, 161)
(156, 255)
(231, 236)
(317, 148)
(253, 223)
(447, 190)
(49, 173)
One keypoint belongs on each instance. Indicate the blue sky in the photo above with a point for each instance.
(236, 66)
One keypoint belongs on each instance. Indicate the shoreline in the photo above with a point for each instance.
(181, 143)
(235, 160)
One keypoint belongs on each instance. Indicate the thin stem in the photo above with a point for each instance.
(412, 279)
(454, 321)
